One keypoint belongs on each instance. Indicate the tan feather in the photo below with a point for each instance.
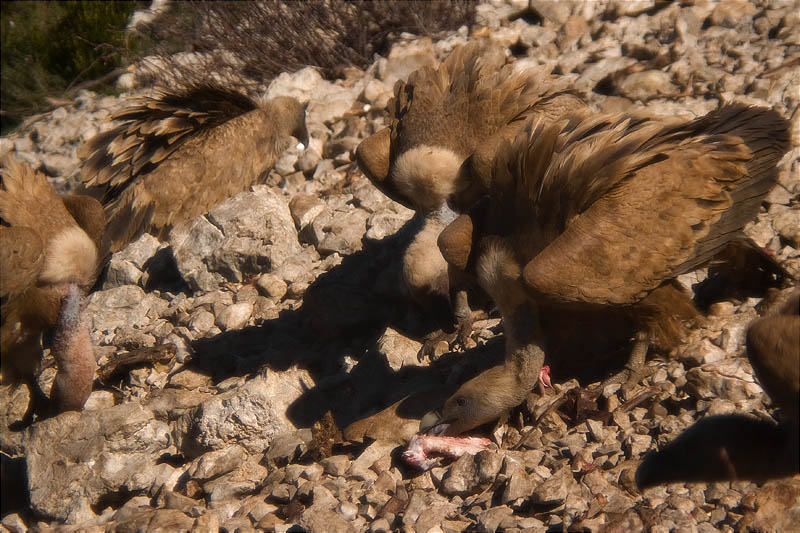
(603, 212)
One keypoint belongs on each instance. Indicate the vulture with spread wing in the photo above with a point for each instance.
(596, 217)
(49, 250)
(739, 447)
(435, 156)
(174, 156)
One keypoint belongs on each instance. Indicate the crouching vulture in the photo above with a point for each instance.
(738, 447)
(49, 250)
(176, 155)
(596, 217)
(435, 156)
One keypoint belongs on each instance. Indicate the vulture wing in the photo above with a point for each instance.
(628, 203)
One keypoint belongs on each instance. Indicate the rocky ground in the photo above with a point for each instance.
(279, 344)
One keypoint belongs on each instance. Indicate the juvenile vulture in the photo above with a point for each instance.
(48, 260)
(174, 156)
(595, 217)
(738, 447)
(435, 155)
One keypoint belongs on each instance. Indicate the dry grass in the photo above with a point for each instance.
(249, 43)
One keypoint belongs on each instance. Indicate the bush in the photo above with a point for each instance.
(259, 40)
(50, 47)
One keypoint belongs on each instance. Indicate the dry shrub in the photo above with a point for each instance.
(247, 44)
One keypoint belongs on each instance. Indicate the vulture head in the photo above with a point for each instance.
(293, 113)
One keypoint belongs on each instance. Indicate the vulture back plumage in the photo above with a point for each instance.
(173, 156)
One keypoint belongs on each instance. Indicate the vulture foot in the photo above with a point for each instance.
(634, 370)
(432, 346)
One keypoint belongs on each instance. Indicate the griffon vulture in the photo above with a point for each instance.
(435, 155)
(596, 217)
(48, 260)
(174, 156)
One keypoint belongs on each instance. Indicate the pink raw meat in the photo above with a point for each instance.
(421, 446)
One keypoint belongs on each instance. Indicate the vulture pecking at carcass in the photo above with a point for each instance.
(590, 220)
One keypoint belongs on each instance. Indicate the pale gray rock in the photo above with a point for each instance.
(376, 93)
(405, 58)
(271, 286)
(216, 462)
(308, 161)
(554, 490)
(648, 84)
(74, 459)
(731, 379)
(787, 224)
(250, 415)
(462, 478)
(243, 480)
(250, 233)
(234, 316)
(285, 448)
(122, 306)
(398, 350)
(121, 272)
(336, 465)
(305, 208)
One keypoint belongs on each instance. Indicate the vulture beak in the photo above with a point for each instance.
(433, 424)
(302, 137)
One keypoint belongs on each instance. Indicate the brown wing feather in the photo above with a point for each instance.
(26, 197)
(465, 101)
(208, 168)
(151, 130)
(640, 204)
(21, 260)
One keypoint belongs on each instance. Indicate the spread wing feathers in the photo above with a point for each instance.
(151, 130)
(28, 200)
(468, 98)
(21, 253)
(610, 207)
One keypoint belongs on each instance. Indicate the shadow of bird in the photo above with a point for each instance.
(174, 156)
(49, 258)
(435, 156)
(739, 447)
(599, 216)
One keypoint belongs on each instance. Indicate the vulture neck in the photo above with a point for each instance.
(72, 349)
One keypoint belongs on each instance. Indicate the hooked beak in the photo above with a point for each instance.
(433, 424)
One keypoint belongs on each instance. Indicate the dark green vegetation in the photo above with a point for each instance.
(49, 48)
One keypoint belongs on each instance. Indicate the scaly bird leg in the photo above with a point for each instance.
(633, 372)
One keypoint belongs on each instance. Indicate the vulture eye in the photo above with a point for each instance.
(461, 401)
